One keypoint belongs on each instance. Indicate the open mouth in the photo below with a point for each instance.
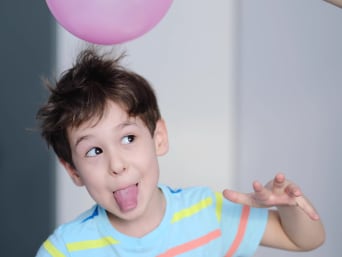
(127, 198)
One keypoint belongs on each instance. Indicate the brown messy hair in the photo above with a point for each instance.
(82, 93)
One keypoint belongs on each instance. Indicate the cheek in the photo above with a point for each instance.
(92, 176)
(90, 169)
(96, 187)
(92, 183)
(145, 163)
(147, 158)
(152, 169)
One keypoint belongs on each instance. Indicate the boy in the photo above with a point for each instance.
(104, 124)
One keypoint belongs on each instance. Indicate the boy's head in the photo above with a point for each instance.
(83, 92)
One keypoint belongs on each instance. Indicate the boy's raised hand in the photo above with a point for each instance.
(277, 192)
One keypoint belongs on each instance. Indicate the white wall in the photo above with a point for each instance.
(290, 108)
(188, 58)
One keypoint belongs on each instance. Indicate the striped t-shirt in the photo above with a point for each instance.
(197, 222)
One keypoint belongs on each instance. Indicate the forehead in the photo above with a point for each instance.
(112, 112)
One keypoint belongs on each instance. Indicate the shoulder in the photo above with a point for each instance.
(190, 199)
(189, 193)
(79, 225)
(79, 228)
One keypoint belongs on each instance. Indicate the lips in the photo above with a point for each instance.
(127, 198)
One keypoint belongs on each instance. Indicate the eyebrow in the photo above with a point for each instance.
(79, 140)
(127, 123)
(121, 126)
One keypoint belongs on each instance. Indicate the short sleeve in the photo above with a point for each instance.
(53, 247)
(242, 227)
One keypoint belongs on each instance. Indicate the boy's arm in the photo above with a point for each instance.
(295, 225)
(335, 2)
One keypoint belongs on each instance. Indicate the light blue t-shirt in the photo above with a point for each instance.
(197, 222)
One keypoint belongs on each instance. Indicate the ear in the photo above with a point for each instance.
(161, 138)
(72, 173)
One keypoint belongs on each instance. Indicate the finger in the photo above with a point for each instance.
(279, 183)
(237, 197)
(293, 190)
(261, 193)
(265, 196)
(303, 204)
(257, 186)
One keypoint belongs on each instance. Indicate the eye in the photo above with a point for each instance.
(128, 139)
(94, 151)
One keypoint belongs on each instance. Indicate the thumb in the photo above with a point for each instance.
(237, 197)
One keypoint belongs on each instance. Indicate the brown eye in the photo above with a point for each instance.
(128, 139)
(94, 152)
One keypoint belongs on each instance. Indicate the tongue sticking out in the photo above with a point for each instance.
(126, 198)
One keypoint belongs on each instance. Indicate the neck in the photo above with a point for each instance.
(146, 223)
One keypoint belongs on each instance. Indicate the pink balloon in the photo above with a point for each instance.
(108, 22)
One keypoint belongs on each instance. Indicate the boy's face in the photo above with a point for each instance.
(116, 160)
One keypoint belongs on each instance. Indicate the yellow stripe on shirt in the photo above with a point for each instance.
(52, 250)
(91, 244)
(219, 203)
(192, 210)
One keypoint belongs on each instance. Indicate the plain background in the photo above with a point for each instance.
(290, 108)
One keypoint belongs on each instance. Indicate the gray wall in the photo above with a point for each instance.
(26, 186)
(290, 103)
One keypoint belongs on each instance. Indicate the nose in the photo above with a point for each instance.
(117, 164)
